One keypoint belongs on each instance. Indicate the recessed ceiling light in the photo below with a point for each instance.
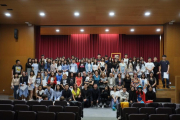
(132, 30)
(82, 30)
(107, 30)
(147, 13)
(57, 30)
(42, 14)
(76, 14)
(158, 30)
(111, 14)
(7, 14)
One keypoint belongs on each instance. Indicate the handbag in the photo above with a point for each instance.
(74, 103)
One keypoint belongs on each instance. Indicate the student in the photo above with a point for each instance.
(152, 81)
(54, 66)
(64, 81)
(132, 95)
(164, 68)
(150, 95)
(143, 68)
(65, 66)
(48, 66)
(32, 60)
(124, 95)
(59, 77)
(126, 59)
(135, 82)
(141, 98)
(105, 96)
(35, 66)
(41, 67)
(45, 80)
(73, 67)
(52, 80)
(17, 68)
(99, 58)
(88, 66)
(76, 93)
(144, 82)
(83, 77)
(59, 66)
(111, 81)
(106, 59)
(49, 92)
(134, 59)
(43, 58)
(77, 62)
(130, 68)
(31, 80)
(95, 97)
(85, 94)
(23, 81)
(127, 82)
(149, 67)
(103, 82)
(119, 82)
(45, 97)
(156, 70)
(57, 92)
(71, 81)
(115, 65)
(38, 80)
(95, 66)
(89, 81)
(15, 85)
(109, 66)
(28, 66)
(62, 98)
(137, 67)
(96, 77)
(78, 80)
(102, 65)
(114, 94)
(39, 93)
(81, 66)
(67, 93)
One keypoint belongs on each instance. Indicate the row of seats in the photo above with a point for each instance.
(31, 115)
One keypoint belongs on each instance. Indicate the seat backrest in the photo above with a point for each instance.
(164, 110)
(27, 115)
(138, 117)
(158, 117)
(6, 115)
(31, 103)
(171, 105)
(147, 110)
(46, 102)
(6, 102)
(178, 111)
(175, 117)
(155, 105)
(19, 102)
(62, 103)
(56, 108)
(127, 111)
(6, 107)
(65, 116)
(21, 107)
(74, 109)
(45, 116)
(38, 108)
(138, 105)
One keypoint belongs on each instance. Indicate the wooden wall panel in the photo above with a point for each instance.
(177, 90)
(12, 49)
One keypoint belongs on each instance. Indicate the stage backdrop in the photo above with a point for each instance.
(86, 45)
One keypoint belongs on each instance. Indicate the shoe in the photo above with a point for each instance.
(102, 106)
(167, 86)
(163, 86)
(98, 106)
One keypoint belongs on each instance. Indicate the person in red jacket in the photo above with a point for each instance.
(141, 97)
(52, 80)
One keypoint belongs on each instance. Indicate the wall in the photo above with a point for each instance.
(12, 49)
(172, 49)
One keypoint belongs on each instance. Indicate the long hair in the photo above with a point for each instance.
(60, 89)
(38, 73)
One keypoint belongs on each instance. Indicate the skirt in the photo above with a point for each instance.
(28, 71)
(31, 87)
(24, 93)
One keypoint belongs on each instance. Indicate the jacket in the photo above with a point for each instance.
(123, 96)
(109, 81)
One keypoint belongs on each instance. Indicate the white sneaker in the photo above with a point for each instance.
(102, 106)
(98, 106)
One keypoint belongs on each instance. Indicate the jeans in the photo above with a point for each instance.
(167, 80)
(16, 87)
(112, 103)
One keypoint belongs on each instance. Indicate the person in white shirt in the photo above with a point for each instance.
(149, 67)
(137, 67)
(102, 65)
(144, 82)
(122, 68)
(126, 59)
(114, 94)
(59, 66)
(95, 66)
(35, 66)
(31, 81)
(124, 95)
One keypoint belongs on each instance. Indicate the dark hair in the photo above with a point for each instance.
(16, 74)
(118, 74)
(144, 75)
(109, 60)
(37, 74)
(78, 74)
(61, 98)
(48, 85)
(60, 87)
(114, 86)
(99, 54)
(35, 60)
(28, 60)
(125, 54)
(66, 84)
(149, 58)
(40, 86)
(44, 96)
(74, 85)
(32, 72)
(17, 61)
(139, 92)
(94, 62)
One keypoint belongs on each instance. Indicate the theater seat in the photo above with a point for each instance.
(19, 102)
(138, 105)
(38, 108)
(172, 106)
(164, 110)
(158, 117)
(65, 116)
(6, 107)
(45, 116)
(73, 109)
(7, 115)
(27, 115)
(46, 102)
(178, 111)
(56, 108)
(138, 117)
(155, 105)
(62, 103)
(175, 117)
(31, 103)
(6, 102)
(147, 110)
(127, 111)
(21, 107)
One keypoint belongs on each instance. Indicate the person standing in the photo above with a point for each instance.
(35, 66)
(17, 68)
(15, 85)
(28, 66)
(149, 66)
(73, 67)
(23, 81)
(95, 97)
(164, 68)
(156, 70)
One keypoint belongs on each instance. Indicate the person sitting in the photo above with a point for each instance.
(152, 81)
(141, 98)
(44, 97)
(111, 81)
(114, 94)
(95, 96)
(57, 92)
(85, 93)
(132, 95)
(39, 93)
(52, 80)
(62, 98)
(67, 93)
(150, 95)
(76, 93)
(89, 81)
(124, 95)
(49, 92)
(105, 96)
(23, 81)
(119, 81)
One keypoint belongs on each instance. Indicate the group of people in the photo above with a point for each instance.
(98, 82)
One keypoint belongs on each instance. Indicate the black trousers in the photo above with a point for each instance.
(157, 78)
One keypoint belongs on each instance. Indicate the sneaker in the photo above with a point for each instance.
(98, 106)
(102, 106)
(163, 86)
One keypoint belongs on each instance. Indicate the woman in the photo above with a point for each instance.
(134, 59)
(137, 67)
(152, 81)
(65, 66)
(109, 66)
(135, 81)
(28, 66)
(32, 60)
(103, 82)
(150, 95)
(81, 67)
(78, 80)
(96, 77)
(41, 67)
(23, 81)
(48, 66)
(71, 80)
(85, 93)
(39, 93)
(102, 65)
(45, 80)
(130, 68)
(59, 66)
(77, 62)
(143, 68)
(76, 93)
(15, 85)
(141, 98)
(132, 95)
(114, 94)
(115, 68)
(31, 81)
(54, 66)
(57, 93)
(143, 82)
(105, 96)
(119, 82)
(38, 80)
(127, 82)
(122, 68)
(35, 66)
(64, 81)
(52, 80)
(88, 66)
(95, 66)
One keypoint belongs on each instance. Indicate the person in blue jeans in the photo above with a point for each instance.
(15, 85)
(114, 94)
(164, 67)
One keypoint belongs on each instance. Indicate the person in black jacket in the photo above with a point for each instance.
(150, 95)
(23, 81)
(67, 93)
(85, 94)
(82, 66)
(95, 95)
(105, 96)
(132, 95)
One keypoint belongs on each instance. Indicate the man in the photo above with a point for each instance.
(150, 95)
(106, 59)
(63, 57)
(66, 93)
(17, 69)
(126, 59)
(99, 58)
(156, 70)
(49, 92)
(72, 57)
(164, 68)
(149, 67)
(59, 77)
(111, 81)
(43, 59)
(95, 95)
(73, 67)
(84, 76)
(124, 95)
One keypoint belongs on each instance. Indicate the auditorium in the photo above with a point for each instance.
(90, 59)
